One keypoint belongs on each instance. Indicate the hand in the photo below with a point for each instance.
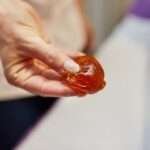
(29, 61)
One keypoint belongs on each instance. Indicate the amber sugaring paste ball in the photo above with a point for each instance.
(90, 78)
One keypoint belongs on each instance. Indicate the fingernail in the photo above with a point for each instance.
(71, 66)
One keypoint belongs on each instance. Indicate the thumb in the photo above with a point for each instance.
(53, 57)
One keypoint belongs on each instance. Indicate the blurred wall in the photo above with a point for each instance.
(104, 14)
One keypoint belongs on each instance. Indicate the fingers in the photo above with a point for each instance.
(36, 79)
(49, 54)
(44, 87)
(46, 71)
(21, 70)
(40, 85)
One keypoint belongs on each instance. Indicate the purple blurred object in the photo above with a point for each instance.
(141, 8)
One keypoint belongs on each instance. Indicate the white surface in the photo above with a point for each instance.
(110, 120)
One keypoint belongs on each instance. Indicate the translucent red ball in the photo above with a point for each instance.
(90, 78)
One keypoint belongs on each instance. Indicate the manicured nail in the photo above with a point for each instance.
(71, 66)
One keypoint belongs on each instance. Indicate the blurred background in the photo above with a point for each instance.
(118, 117)
(105, 14)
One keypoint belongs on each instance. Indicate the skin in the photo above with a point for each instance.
(29, 60)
